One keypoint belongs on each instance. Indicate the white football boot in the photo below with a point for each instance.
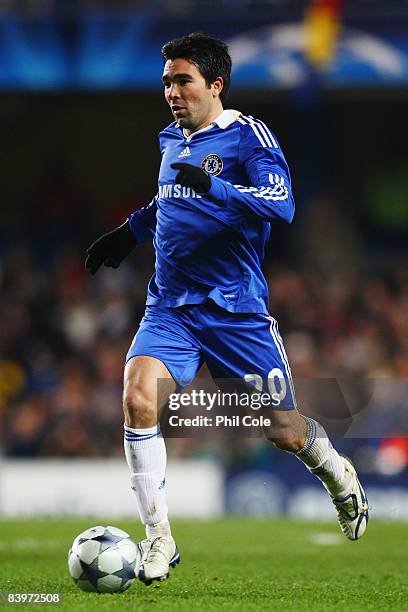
(352, 509)
(158, 554)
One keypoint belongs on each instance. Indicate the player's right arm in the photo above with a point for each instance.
(112, 248)
(143, 221)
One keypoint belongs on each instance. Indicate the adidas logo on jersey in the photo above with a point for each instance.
(185, 152)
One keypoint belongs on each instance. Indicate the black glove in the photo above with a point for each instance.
(192, 176)
(110, 249)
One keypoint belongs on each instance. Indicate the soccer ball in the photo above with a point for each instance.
(103, 560)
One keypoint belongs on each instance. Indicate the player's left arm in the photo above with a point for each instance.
(268, 190)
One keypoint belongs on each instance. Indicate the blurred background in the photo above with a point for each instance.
(80, 108)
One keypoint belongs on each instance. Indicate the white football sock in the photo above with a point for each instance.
(323, 460)
(145, 452)
(160, 529)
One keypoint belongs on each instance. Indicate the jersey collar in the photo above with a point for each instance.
(223, 120)
(226, 118)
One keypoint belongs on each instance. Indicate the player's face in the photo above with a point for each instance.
(194, 104)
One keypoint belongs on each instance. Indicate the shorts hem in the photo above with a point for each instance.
(129, 357)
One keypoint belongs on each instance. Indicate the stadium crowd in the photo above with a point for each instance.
(64, 334)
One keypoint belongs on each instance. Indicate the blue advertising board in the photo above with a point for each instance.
(121, 50)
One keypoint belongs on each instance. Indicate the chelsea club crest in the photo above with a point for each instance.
(212, 164)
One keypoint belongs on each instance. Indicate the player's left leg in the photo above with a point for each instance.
(307, 440)
(250, 347)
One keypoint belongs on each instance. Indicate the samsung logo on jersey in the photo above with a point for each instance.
(177, 191)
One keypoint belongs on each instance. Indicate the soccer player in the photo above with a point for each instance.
(223, 186)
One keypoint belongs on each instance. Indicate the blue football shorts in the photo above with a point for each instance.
(240, 346)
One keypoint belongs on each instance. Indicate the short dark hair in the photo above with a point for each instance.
(210, 55)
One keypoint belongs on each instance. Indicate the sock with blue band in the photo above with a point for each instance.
(145, 452)
(323, 460)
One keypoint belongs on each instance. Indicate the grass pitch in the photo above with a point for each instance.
(229, 564)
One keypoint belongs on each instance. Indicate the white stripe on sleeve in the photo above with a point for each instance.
(259, 126)
(277, 192)
(275, 144)
(256, 131)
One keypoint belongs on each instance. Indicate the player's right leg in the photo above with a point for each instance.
(162, 357)
(145, 451)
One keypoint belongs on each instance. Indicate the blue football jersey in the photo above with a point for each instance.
(212, 245)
